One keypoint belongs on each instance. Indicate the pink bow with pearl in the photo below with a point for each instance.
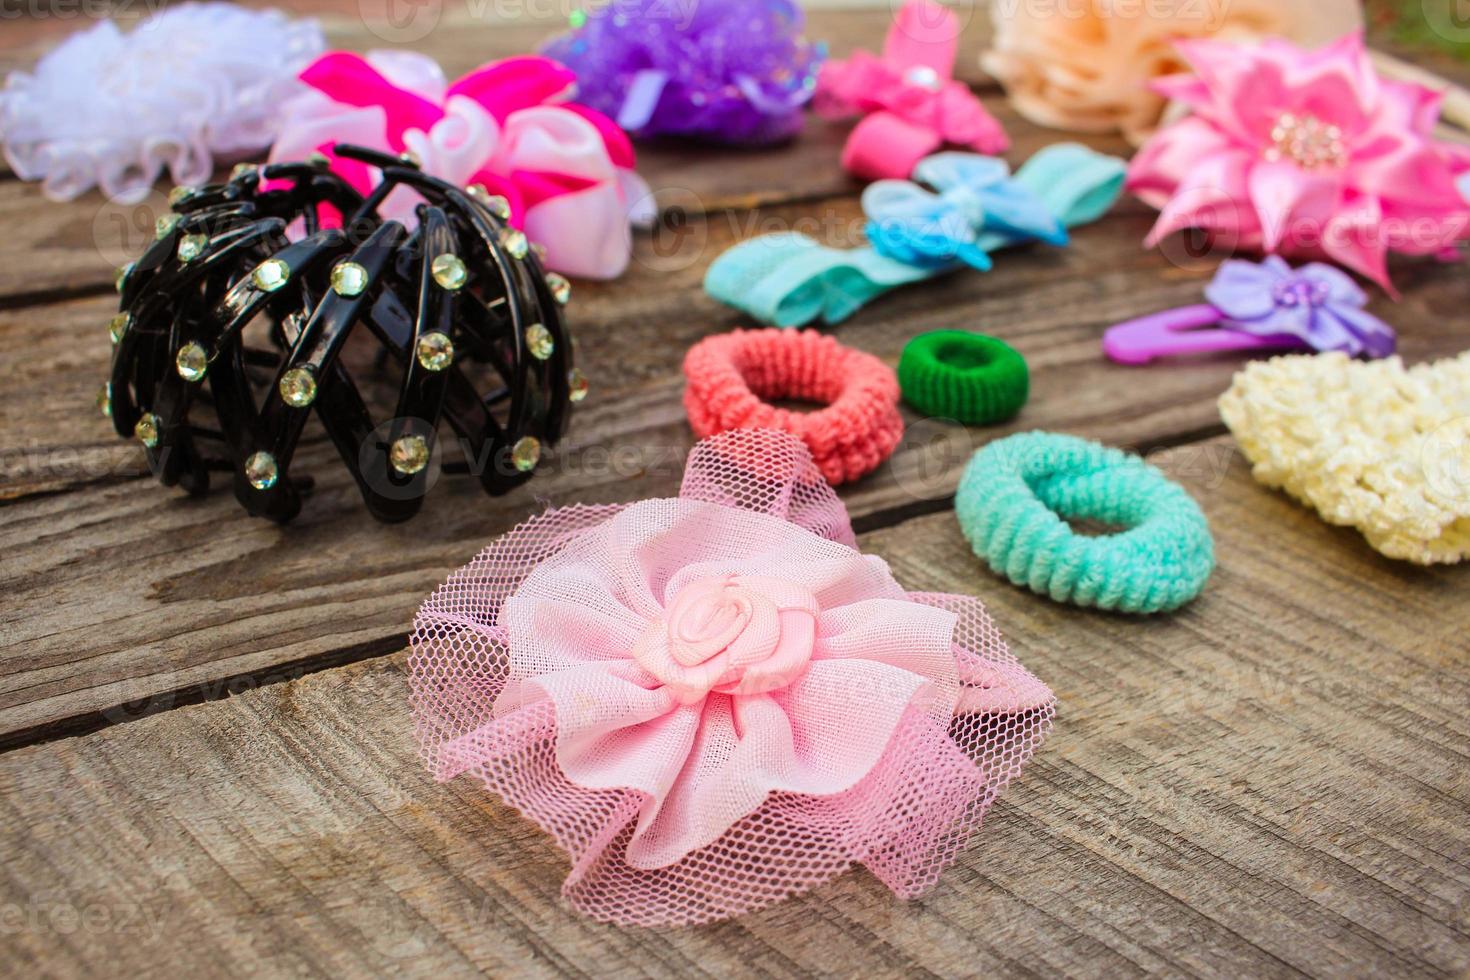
(912, 102)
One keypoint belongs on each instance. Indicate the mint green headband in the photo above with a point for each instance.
(786, 279)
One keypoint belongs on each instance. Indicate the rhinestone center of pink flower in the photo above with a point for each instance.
(1307, 142)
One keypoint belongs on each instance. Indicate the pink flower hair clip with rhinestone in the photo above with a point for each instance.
(1304, 153)
(715, 701)
(910, 101)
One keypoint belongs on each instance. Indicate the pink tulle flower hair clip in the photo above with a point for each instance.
(1303, 153)
(715, 701)
(562, 172)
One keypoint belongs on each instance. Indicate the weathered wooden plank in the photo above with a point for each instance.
(1270, 782)
(58, 249)
(122, 590)
(70, 247)
(464, 33)
(634, 331)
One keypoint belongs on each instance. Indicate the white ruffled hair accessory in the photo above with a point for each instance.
(193, 82)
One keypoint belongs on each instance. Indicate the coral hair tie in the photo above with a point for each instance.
(733, 377)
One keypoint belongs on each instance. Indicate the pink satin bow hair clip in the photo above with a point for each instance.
(911, 102)
(1265, 306)
(564, 172)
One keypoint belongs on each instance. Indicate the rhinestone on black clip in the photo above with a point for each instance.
(438, 347)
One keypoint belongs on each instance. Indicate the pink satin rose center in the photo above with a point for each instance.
(733, 634)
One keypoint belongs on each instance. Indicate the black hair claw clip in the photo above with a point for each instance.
(247, 308)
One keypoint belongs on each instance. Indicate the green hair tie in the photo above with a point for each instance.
(968, 377)
(1017, 492)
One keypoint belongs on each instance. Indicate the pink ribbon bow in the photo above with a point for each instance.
(566, 170)
(912, 101)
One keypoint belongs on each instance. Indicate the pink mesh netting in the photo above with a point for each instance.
(715, 701)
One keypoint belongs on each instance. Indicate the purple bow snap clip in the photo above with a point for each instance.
(1260, 306)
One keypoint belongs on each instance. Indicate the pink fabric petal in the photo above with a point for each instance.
(1352, 238)
(1340, 69)
(534, 186)
(1278, 189)
(1157, 169)
(1249, 92)
(552, 139)
(627, 737)
(411, 70)
(1407, 170)
(859, 84)
(1335, 84)
(619, 147)
(1213, 195)
(349, 79)
(923, 33)
(508, 86)
(1186, 88)
(801, 740)
(914, 638)
(585, 234)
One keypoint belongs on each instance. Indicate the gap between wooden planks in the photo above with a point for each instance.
(126, 598)
(463, 35)
(1271, 782)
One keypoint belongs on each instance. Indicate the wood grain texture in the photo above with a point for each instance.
(192, 594)
(73, 247)
(1271, 782)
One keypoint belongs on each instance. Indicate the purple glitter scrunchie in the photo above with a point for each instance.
(731, 71)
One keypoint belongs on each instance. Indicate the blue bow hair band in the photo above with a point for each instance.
(971, 207)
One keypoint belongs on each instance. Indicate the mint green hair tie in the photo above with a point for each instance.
(967, 377)
(1015, 498)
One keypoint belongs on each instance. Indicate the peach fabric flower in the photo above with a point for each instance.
(1086, 65)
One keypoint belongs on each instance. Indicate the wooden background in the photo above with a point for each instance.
(208, 765)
